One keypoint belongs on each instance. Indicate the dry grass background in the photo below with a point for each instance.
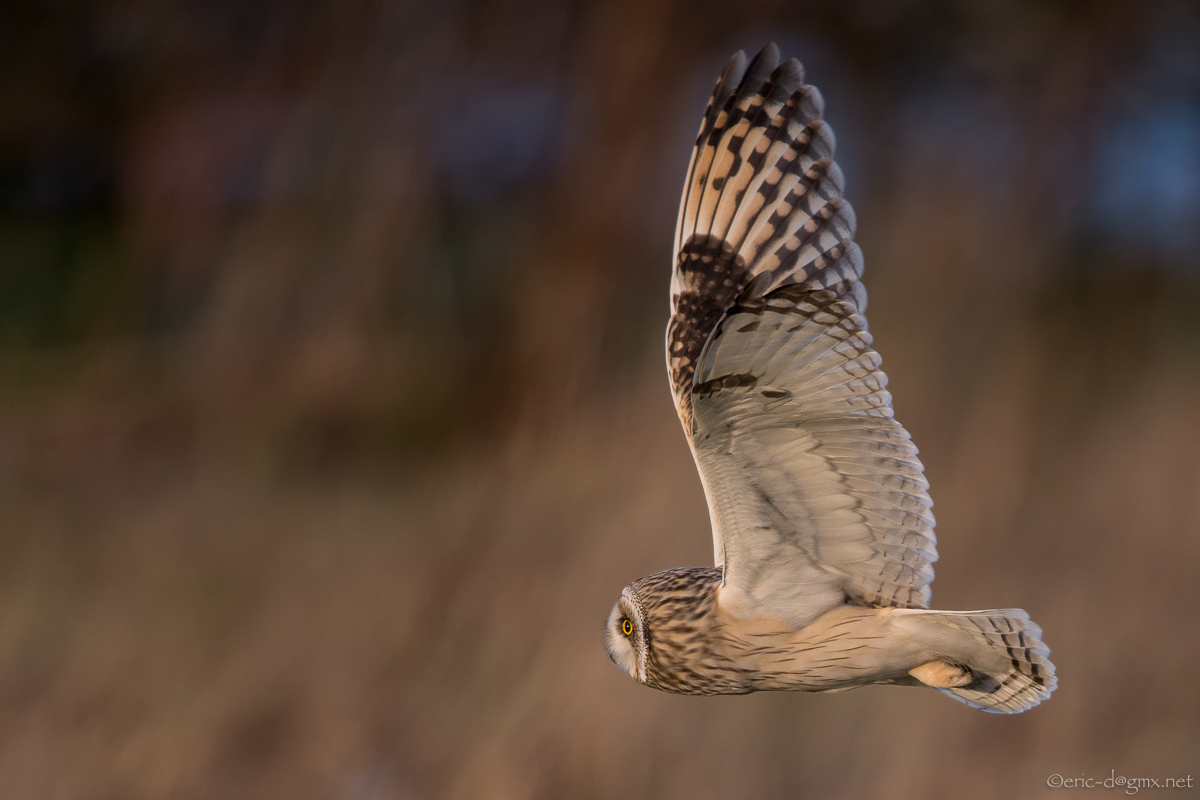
(333, 418)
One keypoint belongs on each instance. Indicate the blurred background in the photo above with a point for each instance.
(333, 415)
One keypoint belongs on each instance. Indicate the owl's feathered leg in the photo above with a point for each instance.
(942, 675)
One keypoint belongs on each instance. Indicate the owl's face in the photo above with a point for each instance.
(658, 629)
(625, 636)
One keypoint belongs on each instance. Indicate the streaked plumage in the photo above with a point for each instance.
(821, 517)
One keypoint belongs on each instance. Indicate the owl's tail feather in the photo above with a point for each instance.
(1007, 667)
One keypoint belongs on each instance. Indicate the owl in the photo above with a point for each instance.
(822, 528)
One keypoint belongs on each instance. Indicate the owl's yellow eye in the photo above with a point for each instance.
(627, 627)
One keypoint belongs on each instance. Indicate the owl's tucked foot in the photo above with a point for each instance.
(942, 675)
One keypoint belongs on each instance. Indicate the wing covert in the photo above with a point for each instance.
(816, 492)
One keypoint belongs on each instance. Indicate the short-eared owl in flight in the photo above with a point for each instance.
(820, 512)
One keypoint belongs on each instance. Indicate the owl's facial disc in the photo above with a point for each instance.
(623, 636)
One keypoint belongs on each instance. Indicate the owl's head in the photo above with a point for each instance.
(654, 627)
(625, 635)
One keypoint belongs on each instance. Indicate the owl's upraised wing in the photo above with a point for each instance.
(816, 494)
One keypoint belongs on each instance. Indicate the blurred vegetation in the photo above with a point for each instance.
(333, 416)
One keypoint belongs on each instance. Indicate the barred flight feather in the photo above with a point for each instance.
(762, 198)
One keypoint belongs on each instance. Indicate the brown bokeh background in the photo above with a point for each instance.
(333, 415)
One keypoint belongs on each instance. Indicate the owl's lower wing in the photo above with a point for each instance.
(815, 492)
